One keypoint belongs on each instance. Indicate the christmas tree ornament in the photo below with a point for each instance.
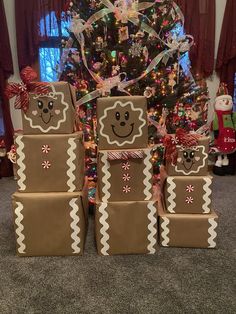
(136, 49)
(123, 33)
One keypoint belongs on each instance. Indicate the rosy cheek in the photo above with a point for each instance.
(179, 159)
(57, 112)
(34, 112)
(197, 158)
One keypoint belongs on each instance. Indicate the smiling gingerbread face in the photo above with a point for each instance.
(122, 123)
(50, 113)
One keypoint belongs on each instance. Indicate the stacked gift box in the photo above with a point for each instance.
(125, 218)
(50, 205)
(186, 218)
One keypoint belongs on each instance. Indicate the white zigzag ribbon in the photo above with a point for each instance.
(211, 231)
(71, 165)
(20, 228)
(104, 228)
(74, 226)
(170, 189)
(164, 234)
(21, 165)
(105, 177)
(206, 195)
(147, 175)
(152, 227)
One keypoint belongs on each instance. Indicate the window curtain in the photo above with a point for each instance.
(28, 14)
(6, 69)
(226, 57)
(200, 23)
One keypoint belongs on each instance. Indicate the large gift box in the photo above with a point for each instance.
(187, 230)
(191, 160)
(51, 113)
(188, 194)
(126, 227)
(125, 175)
(49, 224)
(50, 162)
(122, 122)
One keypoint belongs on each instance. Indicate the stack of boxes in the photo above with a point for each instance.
(50, 205)
(125, 219)
(185, 215)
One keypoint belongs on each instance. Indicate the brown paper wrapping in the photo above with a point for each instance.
(187, 230)
(53, 113)
(192, 161)
(122, 122)
(188, 195)
(50, 163)
(49, 224)
(126, 228)
(125, 180)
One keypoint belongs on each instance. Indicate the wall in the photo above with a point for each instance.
(212, 82)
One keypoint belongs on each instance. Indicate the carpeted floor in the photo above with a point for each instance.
(172, 281)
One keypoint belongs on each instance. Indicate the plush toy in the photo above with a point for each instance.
(224, 126)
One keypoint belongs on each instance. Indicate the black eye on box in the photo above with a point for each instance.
(50, 105)
(117, 116)
(40, 104)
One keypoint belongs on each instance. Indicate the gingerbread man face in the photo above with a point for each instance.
(121, 123)
(48, 112)
(191, 160)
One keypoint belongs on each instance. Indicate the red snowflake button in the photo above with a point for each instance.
(46, 164)
(126, 165)
(126, 189)
(189, 188)
(189, 200)
(126, 177)
(45, 149)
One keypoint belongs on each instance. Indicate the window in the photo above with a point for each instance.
(49, 52)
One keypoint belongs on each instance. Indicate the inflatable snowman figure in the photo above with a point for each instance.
(224, 126)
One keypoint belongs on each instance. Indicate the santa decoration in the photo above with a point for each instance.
(224, 125)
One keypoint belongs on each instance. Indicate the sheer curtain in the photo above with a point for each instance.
(200, 23)
(6, 69)
(226, 58)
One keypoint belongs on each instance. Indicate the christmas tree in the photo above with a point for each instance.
(131, 47)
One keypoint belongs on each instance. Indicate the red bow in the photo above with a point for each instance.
(181, 138)
(21, 90)
(125, 155)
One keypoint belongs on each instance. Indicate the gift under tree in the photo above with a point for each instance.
(125, 217)
(186, 218)
(50, 205)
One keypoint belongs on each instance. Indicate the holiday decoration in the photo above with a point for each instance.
(187, 230)
(49, 224)
(62, 155)
(224, 126)
(122, 122)
(186, 154)
(132, 48)
(50, 208)
(125, 219)
(186, 218)
(188, 194)
(126, 227)
(127, 171)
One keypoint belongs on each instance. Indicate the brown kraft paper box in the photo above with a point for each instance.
(52, 113)
(126, 227)
(122, 122)
(49, 223)
(188, 195)
(125, 179)
(191, 161)
(187, 230)
(50, 163)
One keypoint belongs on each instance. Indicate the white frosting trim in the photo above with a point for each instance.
(206, 195)
(71, 165)
(20, 228)
(106, 175)
(165, 231)
(212, 233)
(20, 163)
(147, 175)
(104, 228)
(152, 227)
(170, 189)
(76, 229)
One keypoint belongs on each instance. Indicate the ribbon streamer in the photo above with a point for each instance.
(125, 155)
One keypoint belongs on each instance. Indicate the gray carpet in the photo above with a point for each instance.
(172, 281)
